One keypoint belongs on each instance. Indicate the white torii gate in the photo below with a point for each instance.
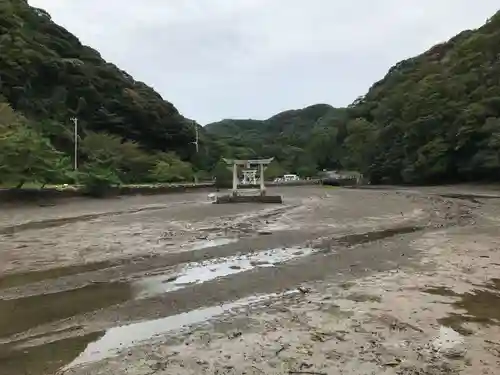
(261, 163)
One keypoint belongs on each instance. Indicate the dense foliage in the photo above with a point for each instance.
(27, 155)
(302, 141)
(47, 77)
(46, 73)
(433, 118)
(436, 117)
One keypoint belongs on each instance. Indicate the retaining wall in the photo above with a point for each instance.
(48, 195)
(53, 194)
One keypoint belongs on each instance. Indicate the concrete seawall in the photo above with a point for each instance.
(50, 195)
(53, 194)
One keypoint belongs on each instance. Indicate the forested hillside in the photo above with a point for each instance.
(301, 140)
(432, 118)
(47, 76)
(47, 73)
(436, 117)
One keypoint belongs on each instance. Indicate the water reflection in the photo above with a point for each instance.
(44, 359)
(119, 338)
(21, 314)
(199, 272)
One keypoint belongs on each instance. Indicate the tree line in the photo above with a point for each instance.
(433, 118)
(27, 155)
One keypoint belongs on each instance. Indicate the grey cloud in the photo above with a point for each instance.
(252, 58)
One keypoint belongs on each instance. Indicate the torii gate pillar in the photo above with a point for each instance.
(235, 179)
(262, 185)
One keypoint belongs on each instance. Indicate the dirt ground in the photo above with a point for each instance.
(334, 281)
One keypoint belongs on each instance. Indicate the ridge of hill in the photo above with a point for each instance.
(436, 117)
(47, 73)
(432, 118)
(47, 77)
(299, 139)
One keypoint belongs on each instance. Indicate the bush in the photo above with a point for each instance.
(97, 180)
(169, 168)
(223, 176)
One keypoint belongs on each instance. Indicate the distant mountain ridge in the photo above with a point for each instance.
(432, 118)
(46, 73)
(287, 136)
(126, 132)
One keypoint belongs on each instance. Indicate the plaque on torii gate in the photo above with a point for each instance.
(262, 165)
(249, 177)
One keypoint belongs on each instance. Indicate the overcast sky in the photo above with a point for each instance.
(216, 59)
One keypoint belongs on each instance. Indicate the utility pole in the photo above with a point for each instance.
(196, 136)
(75, 134)
(197, 146)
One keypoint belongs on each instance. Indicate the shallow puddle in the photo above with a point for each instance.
(56, 222)
(361, 238)
(481, 306)
(18, 279)
(120, 338)
(195, 273)
(468, 197)
(21, 314)
(277, 227)
(44, 359)
(205, 244)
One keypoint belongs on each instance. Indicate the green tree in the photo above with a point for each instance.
(128, 161)
(97, 178)
(169, 168)
(223, 176)
(103, 149)
(26, 156)
(359, 145)
(274, 170)
(135, 164)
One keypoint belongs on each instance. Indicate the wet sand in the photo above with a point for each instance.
(334, 281)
